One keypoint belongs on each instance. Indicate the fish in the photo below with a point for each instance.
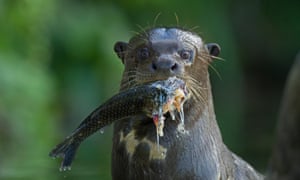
(153, 99)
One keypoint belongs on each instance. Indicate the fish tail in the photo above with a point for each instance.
(66, 150)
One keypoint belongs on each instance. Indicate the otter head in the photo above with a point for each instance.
(160, 53)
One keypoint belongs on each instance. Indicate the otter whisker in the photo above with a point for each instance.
(213, 57)
(130, 80)
(155, 19)
(144, 75)
(135, 33)
(128, 84)
(131, 72)
(131, 77)
(194, 28)
(143, 30)
(177, 19)
(185, 26)
(218, 58)
(130, 46)
(197, 95)
(196, 89)
(193, 80)
(200, 95)
(211, 66)
(195, 83)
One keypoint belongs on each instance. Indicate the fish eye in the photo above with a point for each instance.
(143, 53)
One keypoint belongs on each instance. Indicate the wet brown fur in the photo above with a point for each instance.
(198, 154)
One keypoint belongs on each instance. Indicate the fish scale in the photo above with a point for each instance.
(143, 99)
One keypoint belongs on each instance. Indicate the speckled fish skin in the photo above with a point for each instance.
(134, 101)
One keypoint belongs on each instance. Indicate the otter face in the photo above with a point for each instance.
(160, 53)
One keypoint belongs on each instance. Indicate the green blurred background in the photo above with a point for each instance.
(57, 64)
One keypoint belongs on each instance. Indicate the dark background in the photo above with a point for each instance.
(57, 64)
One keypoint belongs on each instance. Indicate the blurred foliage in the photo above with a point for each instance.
(57, 65)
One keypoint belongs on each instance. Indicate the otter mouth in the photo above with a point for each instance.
(171, 100)
(182, 85)
(145, 78)
(178, 92)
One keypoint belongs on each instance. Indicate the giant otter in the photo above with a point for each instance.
(195, 151)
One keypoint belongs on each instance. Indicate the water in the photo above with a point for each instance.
(159, 118)
(101, 130)
(157, 140)
(160, 125)
(172, 114)
(181, 114)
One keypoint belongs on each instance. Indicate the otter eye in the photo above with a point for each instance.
(143, 53)
(185, 54)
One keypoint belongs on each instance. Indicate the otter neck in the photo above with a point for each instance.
(202, 115)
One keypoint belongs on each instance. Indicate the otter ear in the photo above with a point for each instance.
(120, 49)
(213, 49)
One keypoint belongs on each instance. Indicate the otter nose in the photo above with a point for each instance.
(165, 64)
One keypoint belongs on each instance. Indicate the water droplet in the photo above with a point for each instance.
(157, 138)
(181, 114)
(101, 131)
(172, 114)
(181, 128)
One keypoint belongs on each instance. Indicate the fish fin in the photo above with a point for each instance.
(66, 150)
